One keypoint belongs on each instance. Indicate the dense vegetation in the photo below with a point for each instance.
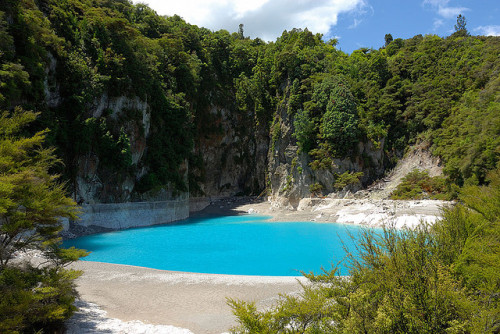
(434, 279)
(34, 296)
(441, 90)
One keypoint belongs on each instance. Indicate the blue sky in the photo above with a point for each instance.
(368, 28)
(355, 23)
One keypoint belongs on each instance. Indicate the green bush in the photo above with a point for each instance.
(32, 204)
(347, 178)
(419, 185)
(316, 189)
(322, 157)
(36, 299)
(339, 124)
(275, 133)
(305, 131)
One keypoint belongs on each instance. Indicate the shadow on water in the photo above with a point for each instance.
(226, 207)
(89, 245)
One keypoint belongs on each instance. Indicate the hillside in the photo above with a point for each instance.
(143, 107)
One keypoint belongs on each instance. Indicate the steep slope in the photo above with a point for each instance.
(418, 157)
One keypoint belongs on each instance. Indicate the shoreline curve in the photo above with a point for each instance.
(192, 301)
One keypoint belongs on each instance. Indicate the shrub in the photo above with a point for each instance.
(31, 206)
(316, 189)
(419, 185)
(339, 124)
(35, 299)
(322, 157)
(347, 178)
(305, 130)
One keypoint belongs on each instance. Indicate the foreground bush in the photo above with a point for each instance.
(35, 299)
(434, 279)
(31, 206)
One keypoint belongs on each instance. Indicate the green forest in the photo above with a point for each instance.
(59, 58)
(442, 91)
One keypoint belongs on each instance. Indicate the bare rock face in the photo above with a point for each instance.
(137, 135)
(94, 183)
(51, 87)
(417, 157)
(232, 147)
(97, 184)
(88, 185)
(233, 150)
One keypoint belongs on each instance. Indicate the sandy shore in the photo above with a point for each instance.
(185, 300)
(196, 303)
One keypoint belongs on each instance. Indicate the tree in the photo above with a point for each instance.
(460, 29)
(339, 124)
(32, 204)
(305, 130)
(240, 31)
(388, 39)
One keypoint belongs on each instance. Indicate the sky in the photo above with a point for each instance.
(354, 23)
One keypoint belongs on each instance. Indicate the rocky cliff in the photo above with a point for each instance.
(236, 155)
(93, 181)
(292, 178)
(233, 154)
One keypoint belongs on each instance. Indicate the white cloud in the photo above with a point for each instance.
(444, 10)
(488, 30)
(451, 12)
(355, 24)
(438, 23)
(261, 18)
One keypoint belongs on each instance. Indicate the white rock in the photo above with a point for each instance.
(90, 319)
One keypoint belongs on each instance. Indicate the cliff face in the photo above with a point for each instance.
(231, 147)
(236, 155)
(96, 183)
(233, 155)
(93, 181)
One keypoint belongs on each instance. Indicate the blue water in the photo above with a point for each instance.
(239, 245)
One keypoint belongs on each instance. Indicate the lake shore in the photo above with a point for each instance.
(173, 302)
(368, 212)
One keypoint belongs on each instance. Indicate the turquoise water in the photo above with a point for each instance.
(239, 245)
